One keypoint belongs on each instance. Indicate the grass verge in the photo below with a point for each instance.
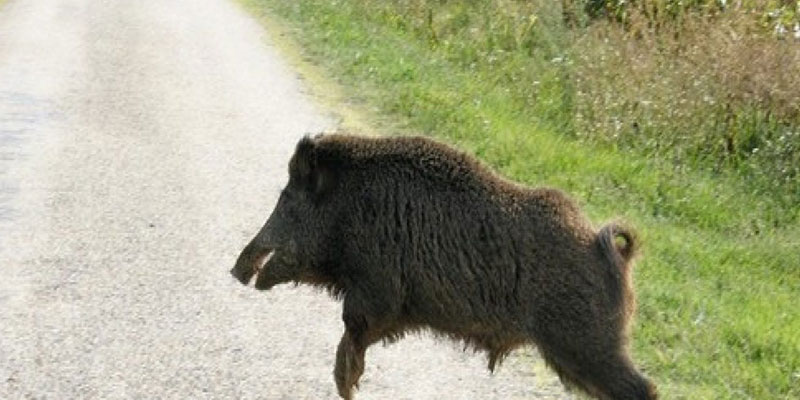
(718, 286)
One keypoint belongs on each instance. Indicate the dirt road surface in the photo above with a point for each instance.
(142, 143)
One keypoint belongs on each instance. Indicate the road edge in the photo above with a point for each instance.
(322, 89)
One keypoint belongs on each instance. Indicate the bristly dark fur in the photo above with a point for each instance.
(413, 234)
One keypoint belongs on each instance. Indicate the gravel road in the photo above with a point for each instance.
(142, 143)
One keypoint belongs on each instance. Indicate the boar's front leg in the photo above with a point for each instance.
(362, 328)
(349, 365)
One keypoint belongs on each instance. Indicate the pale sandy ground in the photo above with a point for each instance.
(141, 144)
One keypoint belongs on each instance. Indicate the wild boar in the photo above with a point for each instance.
(412, 234)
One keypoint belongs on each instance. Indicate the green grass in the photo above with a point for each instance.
(719, 283)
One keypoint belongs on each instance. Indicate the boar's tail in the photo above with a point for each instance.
(620, 260)
(619, 254)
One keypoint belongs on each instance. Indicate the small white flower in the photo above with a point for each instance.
(780, 30)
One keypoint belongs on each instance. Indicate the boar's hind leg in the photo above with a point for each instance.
(611, 378)
(618, 379)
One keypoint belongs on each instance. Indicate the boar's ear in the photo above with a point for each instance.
(304, 160)
(309, 170)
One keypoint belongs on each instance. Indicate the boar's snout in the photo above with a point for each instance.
(249, 262)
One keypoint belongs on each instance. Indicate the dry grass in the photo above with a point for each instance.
(714, 90)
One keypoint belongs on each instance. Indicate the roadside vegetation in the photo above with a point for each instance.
(681, 116)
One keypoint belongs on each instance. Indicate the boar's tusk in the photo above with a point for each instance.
(249, 262)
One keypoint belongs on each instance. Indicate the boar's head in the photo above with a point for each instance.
(298, 236)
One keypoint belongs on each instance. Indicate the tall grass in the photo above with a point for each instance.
(717, 91)
(657, 125)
